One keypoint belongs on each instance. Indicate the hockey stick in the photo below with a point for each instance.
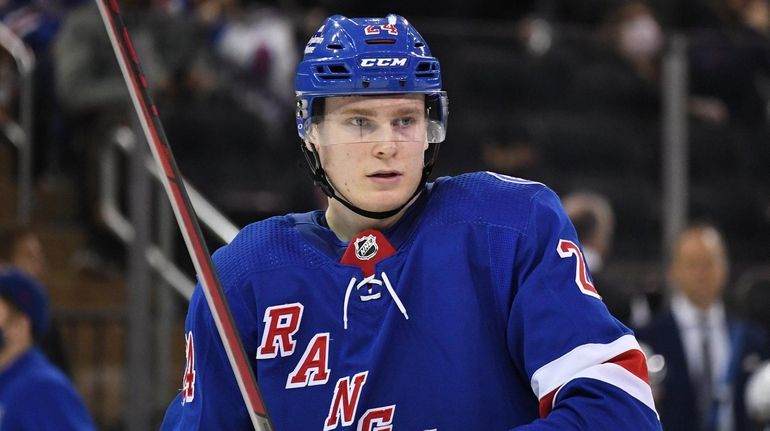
(185, 216)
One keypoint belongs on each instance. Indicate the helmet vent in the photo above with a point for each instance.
(427, 69)
(333, 71)
(334, 46)
(380, 41)
(338, 68)
(418, 44)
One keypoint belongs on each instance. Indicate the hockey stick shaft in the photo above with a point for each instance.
(180, 202)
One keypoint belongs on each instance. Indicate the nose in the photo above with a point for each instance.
(386, 148)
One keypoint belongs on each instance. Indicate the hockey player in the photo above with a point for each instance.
(462, 304)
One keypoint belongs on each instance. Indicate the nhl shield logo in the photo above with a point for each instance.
(366, 247)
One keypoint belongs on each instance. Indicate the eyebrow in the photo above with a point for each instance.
(359, 111)
(373, 113)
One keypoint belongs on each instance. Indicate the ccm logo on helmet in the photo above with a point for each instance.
(382, 62)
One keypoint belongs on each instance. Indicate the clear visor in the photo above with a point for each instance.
(404, 118)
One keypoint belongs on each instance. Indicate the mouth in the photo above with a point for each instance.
(384, 174)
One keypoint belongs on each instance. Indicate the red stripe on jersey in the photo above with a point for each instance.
(633, 361)
(546, 403)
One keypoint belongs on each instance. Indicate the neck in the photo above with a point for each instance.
(702, 305)
(11, 352)
(346, 224)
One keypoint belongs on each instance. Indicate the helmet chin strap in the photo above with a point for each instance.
(322, 180)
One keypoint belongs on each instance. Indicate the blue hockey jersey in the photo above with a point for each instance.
(474, 312)
(37, 396)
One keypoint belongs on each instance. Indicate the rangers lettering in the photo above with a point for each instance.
(383, 62)
(281, 323)
(379, 419)
(313, 368)
(568, 248)
(345, 401)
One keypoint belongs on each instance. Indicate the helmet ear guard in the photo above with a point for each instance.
(437, 108)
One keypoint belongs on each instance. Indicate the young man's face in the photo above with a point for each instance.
(372, 147)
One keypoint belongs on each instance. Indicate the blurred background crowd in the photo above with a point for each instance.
(649, 117)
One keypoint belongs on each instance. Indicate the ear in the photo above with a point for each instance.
(19, 325)
(27, 325)
(312, 146)
(311, 138)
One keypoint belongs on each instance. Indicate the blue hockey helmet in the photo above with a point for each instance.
(369, 56)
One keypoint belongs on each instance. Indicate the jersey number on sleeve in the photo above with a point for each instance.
(188, 381)
(568, 249)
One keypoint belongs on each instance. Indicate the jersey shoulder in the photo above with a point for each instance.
(486, 198)
(264, 245)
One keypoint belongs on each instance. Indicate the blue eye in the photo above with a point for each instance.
(359, 121)
(404, 121)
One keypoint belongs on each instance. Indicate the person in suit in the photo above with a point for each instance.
(709, 354)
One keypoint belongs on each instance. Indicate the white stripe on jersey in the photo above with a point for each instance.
(621, 378)
(561, 370)
(589, 360)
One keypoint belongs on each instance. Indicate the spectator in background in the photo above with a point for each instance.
(257, 47)
(594, 221)
(37, 22)
(616, 89)
(627, 65)
(614, 94)
(95, 100)
(34, 394)
(21, 249)
(730, 67)
(709, 354)
(247, 109)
